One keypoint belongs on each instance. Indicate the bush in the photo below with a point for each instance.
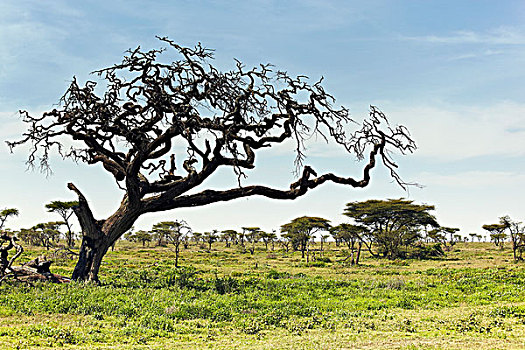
(273, 274)
(323, 259)
(427, 251)
(225, 285)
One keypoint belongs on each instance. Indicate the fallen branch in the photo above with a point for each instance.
(32, 271)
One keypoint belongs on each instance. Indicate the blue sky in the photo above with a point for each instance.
(451, 71)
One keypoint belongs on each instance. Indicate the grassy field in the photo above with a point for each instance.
(224, 299)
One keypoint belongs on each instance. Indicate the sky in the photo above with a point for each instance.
(451, 71)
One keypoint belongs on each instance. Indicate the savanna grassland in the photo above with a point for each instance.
(226, 298)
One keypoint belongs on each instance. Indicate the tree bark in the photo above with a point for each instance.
(177, 254)
(90, 257)
(99, 236)
(358, 253)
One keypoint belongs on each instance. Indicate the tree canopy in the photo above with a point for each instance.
(7, 213)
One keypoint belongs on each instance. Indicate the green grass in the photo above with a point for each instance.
(474, 297)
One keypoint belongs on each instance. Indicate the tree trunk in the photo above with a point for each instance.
(99, 236)
(177, 255)
(70, 242)
(307, 252)
(90, 257)
(358, 253)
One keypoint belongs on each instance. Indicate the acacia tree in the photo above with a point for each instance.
(252, 235)
(301, 230)
(517, 236)
(139, 236)
(497, 233)
(210, 238)
(149, 108)
(229, 237)
(350, 234)
(65, 210)
(174, 232)
(439, 235)
(390, 224)
(47, 232)
(268, 237)
(197, 237)
(6, 214)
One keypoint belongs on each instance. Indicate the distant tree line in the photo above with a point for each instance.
(391, 229)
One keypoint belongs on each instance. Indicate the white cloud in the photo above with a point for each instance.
(498, 36)
(457, 132)
(474, 179)
(447, 132)
(471, 55)
(443, 132)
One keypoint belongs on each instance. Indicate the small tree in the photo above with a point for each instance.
(65, 210)
(451, 231)
(252, 235)
(197, 237)
(229, 236)
(436, 235)
(173, 232)
(5, 214)
(497, 233)
(210, 238)
(285, 243)
(267, 238)
(28, 236)
(350, 234)
(160, 236)
(241, 238)
(324, 239)
(186, 241)
(517, 236)
(301, 230)
(139, 236)
(47, 233)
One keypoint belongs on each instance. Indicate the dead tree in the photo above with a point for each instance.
(7, 243)
(34, 270)
(222, 118)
